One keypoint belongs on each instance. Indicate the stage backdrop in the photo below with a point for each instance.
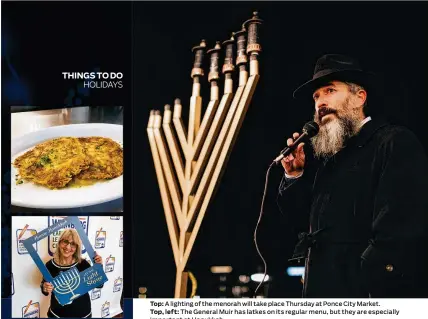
(106, 236)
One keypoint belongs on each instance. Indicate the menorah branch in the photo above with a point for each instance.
(212, 157)
(165, 195)
(222, 160)
(179, 125)
(166, 165)
(203, 131)
(210, 140)
(173, 146)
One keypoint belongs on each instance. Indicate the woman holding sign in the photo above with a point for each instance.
(67, 255)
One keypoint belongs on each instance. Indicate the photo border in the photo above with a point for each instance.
(70, 220)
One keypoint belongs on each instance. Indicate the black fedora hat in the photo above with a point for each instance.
(335, 67)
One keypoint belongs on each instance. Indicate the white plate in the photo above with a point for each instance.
(31, 195)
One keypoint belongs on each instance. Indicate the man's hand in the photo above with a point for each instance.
(47, 287)
(293, 164)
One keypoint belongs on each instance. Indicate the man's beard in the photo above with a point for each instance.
(332, 136)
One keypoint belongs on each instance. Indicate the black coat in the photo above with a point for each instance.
(368, 217)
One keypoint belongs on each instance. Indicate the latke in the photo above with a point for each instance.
(105, 158)
(53, 163)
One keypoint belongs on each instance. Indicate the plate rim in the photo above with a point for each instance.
(62, 126)
(27, 135)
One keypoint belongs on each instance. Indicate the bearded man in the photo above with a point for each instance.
(368, 193)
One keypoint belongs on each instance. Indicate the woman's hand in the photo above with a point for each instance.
(98, 259)
(47, 287)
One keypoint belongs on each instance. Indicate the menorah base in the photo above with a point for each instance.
(181, 284)
(74, 296)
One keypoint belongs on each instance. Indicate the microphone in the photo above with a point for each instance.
(309, 130)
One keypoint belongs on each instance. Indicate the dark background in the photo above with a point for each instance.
(39, 41)
(387, 38)
(151, 44)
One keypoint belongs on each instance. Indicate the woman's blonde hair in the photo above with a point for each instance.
(77, 255)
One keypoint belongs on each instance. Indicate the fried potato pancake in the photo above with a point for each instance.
(105, 158)
(65, 161)
(53, 163)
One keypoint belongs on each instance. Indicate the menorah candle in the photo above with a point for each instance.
(253, 45)
(213, 76)
(241, 59)
(228, 66)
(197, 69)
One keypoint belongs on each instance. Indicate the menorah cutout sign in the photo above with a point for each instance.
(189, 163)
(67, 282)
(70, 284)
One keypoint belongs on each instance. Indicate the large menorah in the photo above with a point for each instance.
(66, 282)
(189, 169)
